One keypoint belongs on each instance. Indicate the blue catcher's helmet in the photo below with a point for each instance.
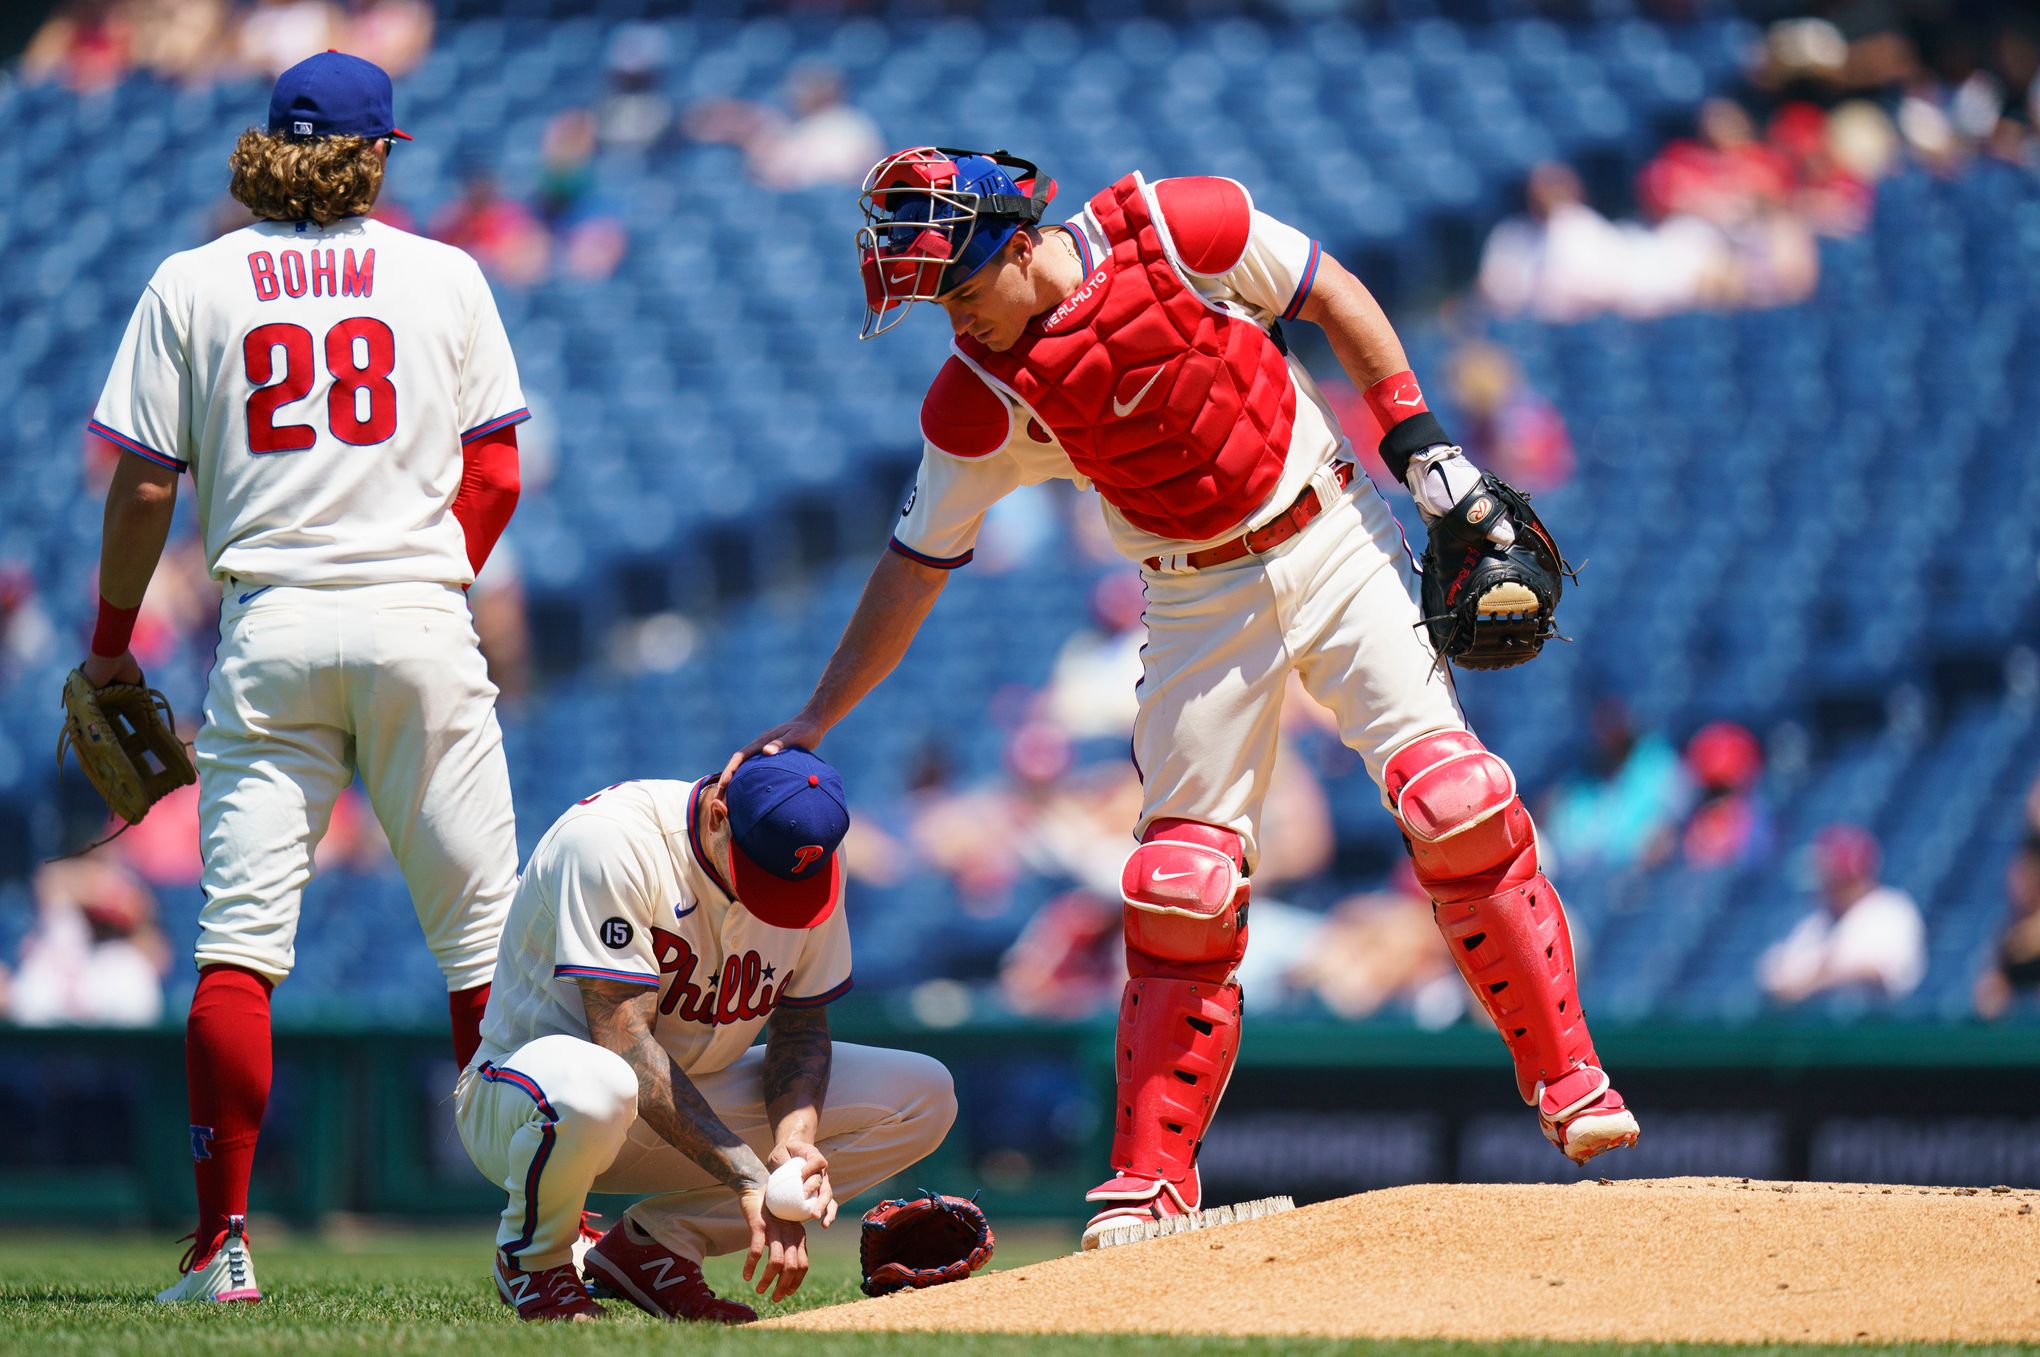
(934, 216)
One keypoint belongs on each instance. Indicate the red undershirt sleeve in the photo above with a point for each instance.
(488, 492)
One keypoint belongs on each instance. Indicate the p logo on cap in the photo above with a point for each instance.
(787, 817)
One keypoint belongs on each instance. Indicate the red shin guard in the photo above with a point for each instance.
(1179, 1019)
(227, 1071)
(1516, 954)
(1177, 1043)
(464, 1009)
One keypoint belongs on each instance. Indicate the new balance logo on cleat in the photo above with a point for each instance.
(553, 1293)
(628, 1263)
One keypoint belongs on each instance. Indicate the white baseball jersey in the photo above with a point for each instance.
(621, 888)
(318, 383)
(1269, 281)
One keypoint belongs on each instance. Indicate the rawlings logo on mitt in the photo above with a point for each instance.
(1490, 607)
(922, 1241)
(126, 738)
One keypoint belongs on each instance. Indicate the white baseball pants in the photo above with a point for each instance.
(1338, 603)
(312, 684)
(557, 1118)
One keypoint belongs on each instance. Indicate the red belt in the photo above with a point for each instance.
(1285, 525)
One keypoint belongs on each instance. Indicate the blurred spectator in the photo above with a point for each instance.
(1616, 811)
(824, 141)
(181, 610)
(1717, 174)
(503, 235)
(1727, 825)
(589, 238)
(2015, 969)
(1863, 141)
(1833, 200)
(1508, 427)
(394, 34)
(1297, 840)
(496, 601)
(1069, 961)
(25, 630)
(182, 40)
(1558, 261)
(1727, 232)
(276, 34)
(1381, 949)
(95, 956)
(635, 114)
(86, 44)
(1090, 692)
(1867, 938)
(163, 849)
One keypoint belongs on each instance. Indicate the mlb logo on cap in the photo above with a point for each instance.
(787, 818)
(334, 95)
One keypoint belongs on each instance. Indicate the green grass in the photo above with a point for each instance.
(429, 1293)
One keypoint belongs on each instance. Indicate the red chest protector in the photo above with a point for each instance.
(1179, 413)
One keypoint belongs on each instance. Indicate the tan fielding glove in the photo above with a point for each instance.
(126, 738)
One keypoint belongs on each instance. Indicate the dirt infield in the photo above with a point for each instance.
(1675, 1259)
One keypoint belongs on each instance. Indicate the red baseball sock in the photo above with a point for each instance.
(464, 1008)
(227, 1069)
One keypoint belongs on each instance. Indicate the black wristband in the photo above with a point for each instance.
(1407, 439)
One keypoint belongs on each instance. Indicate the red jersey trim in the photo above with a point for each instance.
(1209, 221)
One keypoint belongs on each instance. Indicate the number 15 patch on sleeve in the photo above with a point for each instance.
(616, 934)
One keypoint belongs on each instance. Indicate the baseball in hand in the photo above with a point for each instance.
(786, 1194)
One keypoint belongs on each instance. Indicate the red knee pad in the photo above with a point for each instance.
(1185, 901)
(1177, 1041)
(1469, 834)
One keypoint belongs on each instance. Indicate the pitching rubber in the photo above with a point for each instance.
(1136, 1231)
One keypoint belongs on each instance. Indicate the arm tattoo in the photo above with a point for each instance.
(620, 1019)
(797, 1050)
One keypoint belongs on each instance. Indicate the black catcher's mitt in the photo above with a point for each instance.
(922, 1241)
(1490, 607)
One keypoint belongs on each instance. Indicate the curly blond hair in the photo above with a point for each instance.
(322, 181)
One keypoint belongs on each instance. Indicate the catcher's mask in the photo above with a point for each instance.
(935, 215)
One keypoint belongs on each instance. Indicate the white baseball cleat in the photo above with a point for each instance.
(228, 1274)
(1583, 1115)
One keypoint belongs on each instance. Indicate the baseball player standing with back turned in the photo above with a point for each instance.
(1136, 349)
(345, 400)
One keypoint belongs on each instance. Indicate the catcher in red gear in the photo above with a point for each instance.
(1138, 349)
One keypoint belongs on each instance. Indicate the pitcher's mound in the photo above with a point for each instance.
(1675, 1259)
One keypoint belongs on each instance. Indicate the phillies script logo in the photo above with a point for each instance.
(736, 993)
(803, 856)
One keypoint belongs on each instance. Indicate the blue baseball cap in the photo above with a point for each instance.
(787, 818)
(333, 95)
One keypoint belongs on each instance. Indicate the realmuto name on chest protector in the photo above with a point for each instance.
(745, 987)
